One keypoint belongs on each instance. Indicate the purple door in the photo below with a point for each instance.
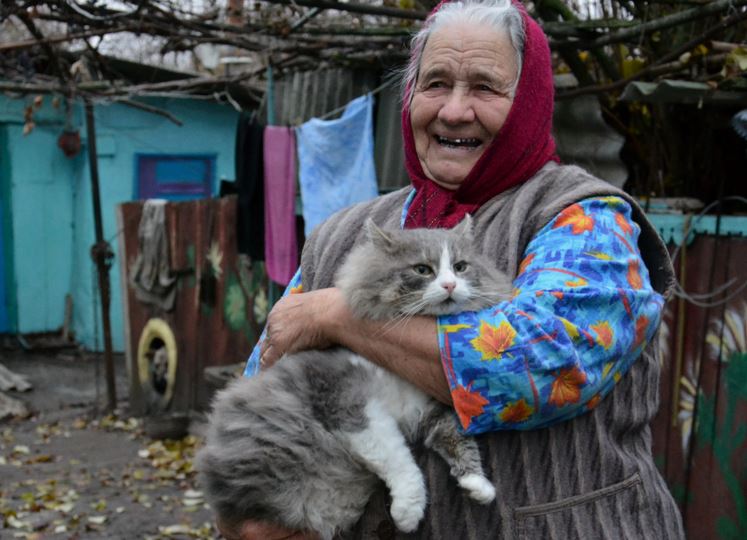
(175, 177)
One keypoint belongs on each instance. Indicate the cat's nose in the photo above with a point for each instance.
(449, 286)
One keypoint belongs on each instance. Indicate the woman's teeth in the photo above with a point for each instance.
(466, 142)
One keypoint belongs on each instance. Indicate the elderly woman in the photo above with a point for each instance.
(561, 382)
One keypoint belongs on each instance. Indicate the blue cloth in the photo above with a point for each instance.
(336, 166)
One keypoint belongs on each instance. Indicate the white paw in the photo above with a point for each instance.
(478, 488)
(408, 509)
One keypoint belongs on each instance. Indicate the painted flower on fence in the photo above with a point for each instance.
(215, 258)
(688, 398)
(728, 336)
(234, 307)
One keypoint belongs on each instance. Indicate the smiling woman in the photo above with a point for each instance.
(461, 99)
(561, 380)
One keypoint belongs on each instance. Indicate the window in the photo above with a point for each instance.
(175, 177)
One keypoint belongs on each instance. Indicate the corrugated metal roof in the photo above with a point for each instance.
(669, 91)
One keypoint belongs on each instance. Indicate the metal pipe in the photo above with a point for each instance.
(102, 256)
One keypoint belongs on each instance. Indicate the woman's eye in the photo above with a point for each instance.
(460, 266)
(422, 269)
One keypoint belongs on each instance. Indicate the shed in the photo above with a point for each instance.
(47, 228)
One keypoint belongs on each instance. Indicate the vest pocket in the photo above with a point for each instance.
(614, 511)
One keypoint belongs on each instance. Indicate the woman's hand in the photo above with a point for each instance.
(302, 321)
(257, 530)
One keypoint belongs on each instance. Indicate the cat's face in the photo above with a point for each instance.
(434, 279)
(420, 271)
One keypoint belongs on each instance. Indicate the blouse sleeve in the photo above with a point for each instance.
(582, 312)
(253, 364)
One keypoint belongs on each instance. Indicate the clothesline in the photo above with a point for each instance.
(373, 92)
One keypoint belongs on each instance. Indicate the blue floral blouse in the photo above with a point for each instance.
(583, 310)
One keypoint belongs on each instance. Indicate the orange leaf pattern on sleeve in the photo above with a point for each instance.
(575, 216)
(493, 341)
(516, 412)
(641, 327)
(604, 333)
(624, 224)
(468, 404)
(634, 276)
(567, 387)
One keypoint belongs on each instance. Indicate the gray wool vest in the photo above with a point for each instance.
(592, 477)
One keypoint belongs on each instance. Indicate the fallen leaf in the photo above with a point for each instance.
(16, 523)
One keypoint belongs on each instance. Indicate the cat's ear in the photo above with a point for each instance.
(378, 237)
(464, 228)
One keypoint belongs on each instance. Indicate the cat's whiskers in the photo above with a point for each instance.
(402, 317)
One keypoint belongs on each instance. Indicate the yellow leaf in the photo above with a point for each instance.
(607, 368)
(738, 58)
(631, 66)
(570, 328)
(449, 328)
(599, 255)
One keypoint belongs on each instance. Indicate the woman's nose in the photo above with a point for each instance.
(457, 108)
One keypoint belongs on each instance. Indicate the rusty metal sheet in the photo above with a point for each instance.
(209, 329)
(700, 433)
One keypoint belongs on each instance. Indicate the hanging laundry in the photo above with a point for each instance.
(336, 162)
(250, 218)
(151, 275)
(281, 250)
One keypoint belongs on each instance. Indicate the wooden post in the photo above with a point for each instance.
(102, 256)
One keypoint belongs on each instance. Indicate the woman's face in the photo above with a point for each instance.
(461, 99)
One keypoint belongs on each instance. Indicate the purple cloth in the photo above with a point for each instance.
(281, 250)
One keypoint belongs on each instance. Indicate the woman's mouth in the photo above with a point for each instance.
(453, 142)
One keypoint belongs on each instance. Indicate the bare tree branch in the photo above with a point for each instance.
(355, 8)
(667, 21)
(679, 51)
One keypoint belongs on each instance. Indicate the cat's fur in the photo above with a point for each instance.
(304, 443)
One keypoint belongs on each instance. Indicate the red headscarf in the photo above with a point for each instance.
(522, 146)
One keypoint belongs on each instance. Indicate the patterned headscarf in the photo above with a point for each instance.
(522, 146)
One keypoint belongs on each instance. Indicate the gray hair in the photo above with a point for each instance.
(501, 15)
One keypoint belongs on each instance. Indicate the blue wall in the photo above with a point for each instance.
(51, 208)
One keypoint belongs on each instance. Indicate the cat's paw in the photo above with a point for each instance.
(408, 509)
(478, 488)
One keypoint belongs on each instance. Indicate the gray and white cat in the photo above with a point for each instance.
(304, 443)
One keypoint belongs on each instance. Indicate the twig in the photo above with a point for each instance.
(355, 8)
(61, 39)
(150, 109)
(720, 27)
(661, 23)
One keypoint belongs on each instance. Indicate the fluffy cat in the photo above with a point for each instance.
(304, 443)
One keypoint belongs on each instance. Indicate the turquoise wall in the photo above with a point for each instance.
(51, 208)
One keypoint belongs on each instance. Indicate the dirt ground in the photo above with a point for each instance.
(71, 472)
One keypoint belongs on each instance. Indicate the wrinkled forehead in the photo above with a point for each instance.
(469, 51)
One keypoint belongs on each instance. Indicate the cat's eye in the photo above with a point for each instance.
(422, 269)
(460, 266)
